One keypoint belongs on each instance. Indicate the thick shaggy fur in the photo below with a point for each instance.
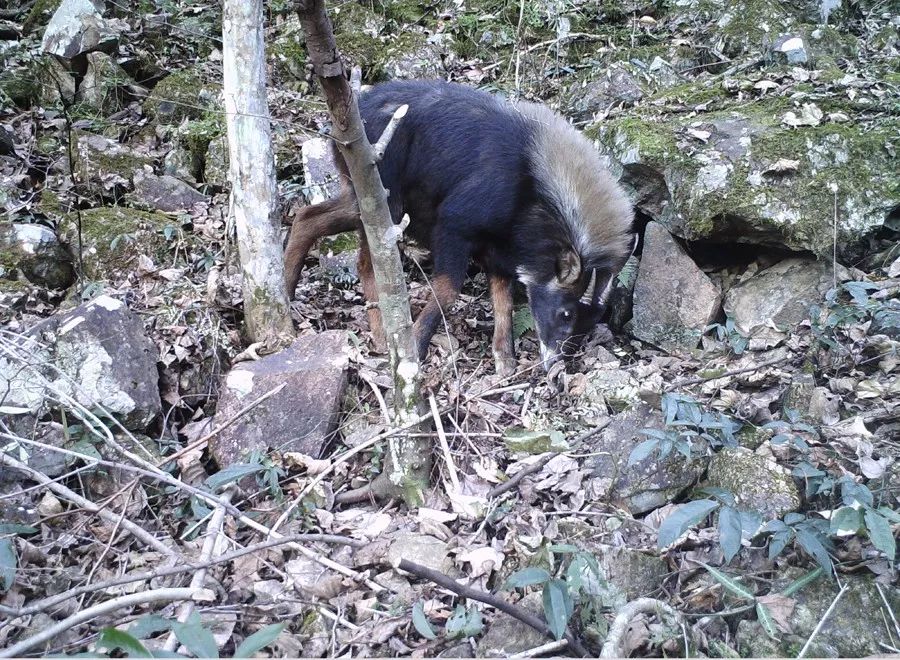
(513, 186)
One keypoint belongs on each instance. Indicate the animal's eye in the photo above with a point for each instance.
(566, 314)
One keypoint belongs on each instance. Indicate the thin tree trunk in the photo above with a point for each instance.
(409, 460)
(252, 173)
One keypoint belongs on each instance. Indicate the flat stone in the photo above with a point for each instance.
(301, 417)
(421, 549)
(78, 27)
(98, 354)
(165, 193)
(649, 483)
(673, 299)
(780, 295)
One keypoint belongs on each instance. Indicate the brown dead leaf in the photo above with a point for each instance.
(781, 608)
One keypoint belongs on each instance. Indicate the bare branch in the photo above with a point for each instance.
(381, 146)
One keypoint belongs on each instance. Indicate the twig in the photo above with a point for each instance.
(822, 621)
(549, 647)
(445, 448)
(210, 543)
(143, 598)
(726, 374)
(612, 647)
(224, 425)
(889, 609)
(550, 42)
(56, 599)
(381, 146)
(71, 496)
(465, 591)
(499, 489)
(378, 397)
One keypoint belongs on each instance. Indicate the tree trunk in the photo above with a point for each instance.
(409, 460)
(252, 174)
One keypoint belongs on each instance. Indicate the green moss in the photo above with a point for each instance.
(40, 14)
(181, 95)
(196, 135)
(692, 93)
(113, 237)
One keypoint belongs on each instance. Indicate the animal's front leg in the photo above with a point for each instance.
(502, 301)
(451, 257)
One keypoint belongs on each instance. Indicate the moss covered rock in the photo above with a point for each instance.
(184, 94)
(103, 85)
(35, 252)
(758, 483)
(103, 166)
(113, 238)
(746, 176)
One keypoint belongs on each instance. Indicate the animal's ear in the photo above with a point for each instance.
(568, 268)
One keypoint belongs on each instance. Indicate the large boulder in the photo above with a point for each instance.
(301, 417)
(674, 301)
(758, 175)
(98, 354)
(78, 27)
(36, 252)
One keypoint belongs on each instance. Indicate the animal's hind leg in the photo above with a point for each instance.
(333, 216)
(370, 290)
(502, 301)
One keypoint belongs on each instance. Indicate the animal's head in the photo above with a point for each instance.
(578, 233)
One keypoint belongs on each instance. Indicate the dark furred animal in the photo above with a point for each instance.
(512, 185)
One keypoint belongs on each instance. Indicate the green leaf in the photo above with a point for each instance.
(779, 541)
(765, 618)
(527, 577)
(8, 564)
(730, 531)
(880, 533)
(889, 513)
(197, 639)
(420, 622)
(259, 640)
(522, 321)
(113, 639)
(464, 623)
(683, 519)
(642, 451)
(564, 548)
(846, 519)
(801, 582)
(13, 528)
(730, 583)
(148, 625)
(811, 543)
(558, 607)
(232, 473)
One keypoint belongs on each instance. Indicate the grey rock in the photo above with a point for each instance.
(98, 354)
(182, 164)
(103, 85)
(215, 170)
(57, 83)
(78, 27)
(649, 483)
(103, 165)
(758, 483)
(319, 172)
(780, 295)
(617, 85)
(673, 299)
(793, 47)
(854, 629)
(421, 549)
(301, 417)
(36, 251)
(740, 178)
(165, 193)
(615, 388)
(506, 635)
(415, 59)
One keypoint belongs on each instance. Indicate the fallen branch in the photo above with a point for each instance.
(549, 647)
(514, 611)
(143, 598)
(56, 599)
(135, 530)
(726, 374)
(612, 647)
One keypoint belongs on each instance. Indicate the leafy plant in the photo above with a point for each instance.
(464, 622)
(560, 593)
(685, 422)
(729, 334)
(790, 431)
(845, 305)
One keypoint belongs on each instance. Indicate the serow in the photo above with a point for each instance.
(511, 185)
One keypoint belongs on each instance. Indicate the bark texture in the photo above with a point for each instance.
(406, 472)
(252, 173)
